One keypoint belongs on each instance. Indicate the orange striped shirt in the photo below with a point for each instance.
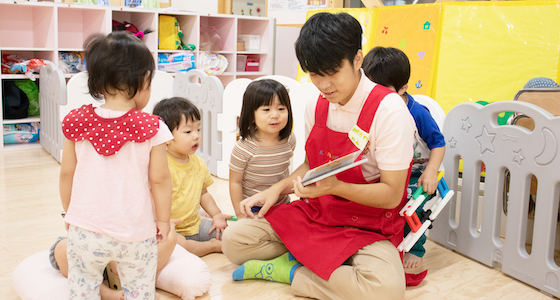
(262, 167)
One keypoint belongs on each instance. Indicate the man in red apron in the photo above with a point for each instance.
(342, 236)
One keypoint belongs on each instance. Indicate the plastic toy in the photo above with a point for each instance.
(419, 224)
(14, 64)
(213, 64)
(233, 218)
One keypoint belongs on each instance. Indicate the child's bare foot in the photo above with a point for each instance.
(109, 294)
(411, 261)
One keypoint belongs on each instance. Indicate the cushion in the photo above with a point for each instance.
(185, 275)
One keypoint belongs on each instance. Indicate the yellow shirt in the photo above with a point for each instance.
(188, 181)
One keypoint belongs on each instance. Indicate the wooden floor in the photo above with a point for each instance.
(30, 222)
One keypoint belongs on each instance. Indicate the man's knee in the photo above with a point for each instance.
(232, 244)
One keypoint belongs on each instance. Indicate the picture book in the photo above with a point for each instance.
(333, 167)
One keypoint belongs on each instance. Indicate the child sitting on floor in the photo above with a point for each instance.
(262, 156)
(390, 67)
(190, 178)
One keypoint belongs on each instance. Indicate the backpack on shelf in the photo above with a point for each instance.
(15, 103)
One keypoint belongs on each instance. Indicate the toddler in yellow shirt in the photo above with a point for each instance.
(190, 178)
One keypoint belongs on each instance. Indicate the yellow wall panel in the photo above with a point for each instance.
(413, 29)
(489, 50)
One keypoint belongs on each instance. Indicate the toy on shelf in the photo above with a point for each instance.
(419, 224)
(70, 62)
(15, 64)
(212, 64)
(125, 26)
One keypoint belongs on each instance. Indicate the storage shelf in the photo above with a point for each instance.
(45, 29)
(252, 73)
(24, 120)
(16, 76)
(70, 49)
(251, 53)
(25, 49)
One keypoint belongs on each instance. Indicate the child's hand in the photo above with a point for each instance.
(162, 231)
(219, 224)
(429, 181)
(67, 226)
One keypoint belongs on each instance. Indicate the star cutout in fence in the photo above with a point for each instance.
(453, 143)
(518, 157)
(485, 140)
(466, 125)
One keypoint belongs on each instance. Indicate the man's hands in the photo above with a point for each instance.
(320, 188)
(266, 198)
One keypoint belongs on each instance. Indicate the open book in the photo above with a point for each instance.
(333, 167)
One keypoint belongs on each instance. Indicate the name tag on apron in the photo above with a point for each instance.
(359, 137)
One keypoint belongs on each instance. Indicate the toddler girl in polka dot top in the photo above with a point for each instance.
(114, 179)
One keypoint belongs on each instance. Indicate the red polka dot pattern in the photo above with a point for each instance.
(109, 135)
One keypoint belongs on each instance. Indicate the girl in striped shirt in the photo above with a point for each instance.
(262, 156)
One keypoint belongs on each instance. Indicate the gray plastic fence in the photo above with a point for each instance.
(473, 134)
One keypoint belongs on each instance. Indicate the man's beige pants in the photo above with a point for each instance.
(374, 272)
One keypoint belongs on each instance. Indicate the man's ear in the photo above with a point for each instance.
(358, 60)
(403, 89)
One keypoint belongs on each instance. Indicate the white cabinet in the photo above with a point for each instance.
(42, 30)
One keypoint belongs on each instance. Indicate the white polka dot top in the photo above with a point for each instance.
(109, 135)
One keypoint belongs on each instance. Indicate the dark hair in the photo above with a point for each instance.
(387, 66)
(118, 61)
(260, 93)
(172, 110)
(325, 40)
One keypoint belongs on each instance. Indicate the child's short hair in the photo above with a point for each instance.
(387, 66)
(260, 93)
(326, 40)
(118, 61)
(172, 110)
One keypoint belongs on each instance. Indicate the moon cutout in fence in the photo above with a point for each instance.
(549, 148)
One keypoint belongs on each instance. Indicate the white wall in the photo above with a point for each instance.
(286, 62)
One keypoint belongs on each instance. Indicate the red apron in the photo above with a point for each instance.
(322, 233)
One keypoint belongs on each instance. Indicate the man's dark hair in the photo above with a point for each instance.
(387, 66)
(118, 61)
(326, 40)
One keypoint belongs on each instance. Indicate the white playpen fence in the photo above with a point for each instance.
(57, 99)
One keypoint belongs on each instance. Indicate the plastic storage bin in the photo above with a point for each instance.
(252, 42)
(241, 62)
(252, 65)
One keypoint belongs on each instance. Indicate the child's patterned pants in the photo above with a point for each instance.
(90, 252)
